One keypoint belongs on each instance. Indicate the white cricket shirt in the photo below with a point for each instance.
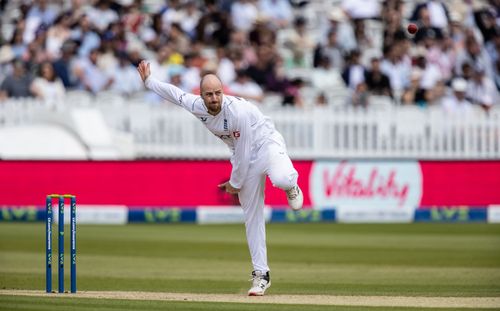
(239, 124)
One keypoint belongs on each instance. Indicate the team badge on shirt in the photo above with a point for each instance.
(236, 134)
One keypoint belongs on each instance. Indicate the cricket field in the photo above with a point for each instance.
(323, 266)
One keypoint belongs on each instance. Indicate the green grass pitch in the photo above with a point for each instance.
(434, 260)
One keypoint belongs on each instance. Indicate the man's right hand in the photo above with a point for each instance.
(144, 70)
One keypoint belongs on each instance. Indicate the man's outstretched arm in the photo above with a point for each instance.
(167, 91)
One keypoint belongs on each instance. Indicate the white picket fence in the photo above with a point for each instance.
(166, 131)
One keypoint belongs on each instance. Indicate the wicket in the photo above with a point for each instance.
(48, 231)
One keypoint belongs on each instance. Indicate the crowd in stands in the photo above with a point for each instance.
(360, 46)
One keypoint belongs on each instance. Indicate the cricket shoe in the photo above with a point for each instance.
(260, 282)
(295, 198)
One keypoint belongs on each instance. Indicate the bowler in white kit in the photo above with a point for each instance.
(258, 149)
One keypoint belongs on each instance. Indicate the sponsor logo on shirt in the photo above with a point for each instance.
(203, 119)
(224, 136)
(225, 124)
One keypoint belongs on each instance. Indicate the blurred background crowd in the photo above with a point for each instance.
(291, 52)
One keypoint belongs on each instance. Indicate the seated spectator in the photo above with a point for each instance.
(361, 9)
(48, 87)
(57, 35)
(278, 12)
(299, 42)
(456, 103)
(397, 66)
(413, 93)
(18, 83)
(243, 14)
(475, 54)
(125, 78)
(360, 96)
(89, 76)
(244, 87)
(214, 27)
(325, 77)
(63, 67)
(376, 81)
(190, 17)
(436, 11)
(101, 15)
(431, 76)
(354, 73)
(85, 36)
(481, 90)
(332, 50)
(291, 94)
(426, 29)
(341, 25)
(179, 41)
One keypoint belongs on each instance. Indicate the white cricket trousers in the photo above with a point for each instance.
(271, 160)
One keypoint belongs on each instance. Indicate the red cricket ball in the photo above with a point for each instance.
(412, 28)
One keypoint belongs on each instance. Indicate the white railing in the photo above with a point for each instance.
(167, 131)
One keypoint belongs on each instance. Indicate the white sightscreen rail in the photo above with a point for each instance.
(167, 131)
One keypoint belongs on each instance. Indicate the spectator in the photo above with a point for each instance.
(340, 24)
(175, 75)
(354, 73)
(244, 13)
(361, 9)
(376, 81)
(190, 18)
(397, 66)
(481, 90)
(17, 44)
(48, 87)
(244, 87)
(57, 35)
(63, 67)
(239, 43)
(85, 36)
(263, 68)
(43, 12)
(214, 27)
(178, 39)
(39, 14)
(291, 94)
(300, 43)
(456, 103)
(191, 74)
(262, 34)
(226, 68)
(331, 50)
(413, 93)
(89, 76)
(325, 78)
(159, 65)
(360, 96)
(125, 78)
(171, 13)
(436, 12)
(426, 28)
(431, 77)
(474, 54)
(101, 15)
(18, 83)
(6, 58)
(278, 12)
